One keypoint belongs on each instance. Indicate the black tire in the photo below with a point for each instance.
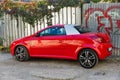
(21, 53)
(88, 58)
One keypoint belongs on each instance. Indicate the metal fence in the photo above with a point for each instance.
(96, 17)
(10, 29)
(104, 18)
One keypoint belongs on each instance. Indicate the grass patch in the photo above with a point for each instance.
(4, 49)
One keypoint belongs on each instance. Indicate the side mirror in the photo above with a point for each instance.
(37, 35)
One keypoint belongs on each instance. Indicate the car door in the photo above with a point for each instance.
(49, 42)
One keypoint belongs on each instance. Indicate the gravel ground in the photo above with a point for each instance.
(52, 69)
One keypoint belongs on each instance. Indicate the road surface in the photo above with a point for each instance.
(54, 69)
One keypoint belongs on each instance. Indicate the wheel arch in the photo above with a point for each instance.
(78, 52)
(27, 48)
(92, 63)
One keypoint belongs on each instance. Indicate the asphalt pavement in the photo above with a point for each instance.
(55, 69)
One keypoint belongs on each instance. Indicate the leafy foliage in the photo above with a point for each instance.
(1, 41)
(95, 1)
(1, 13)
(33, 12)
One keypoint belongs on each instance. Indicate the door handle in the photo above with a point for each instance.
(60, 41)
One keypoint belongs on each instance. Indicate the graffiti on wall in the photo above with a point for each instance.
(107, 20)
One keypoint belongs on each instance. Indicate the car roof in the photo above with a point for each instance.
(70, 30)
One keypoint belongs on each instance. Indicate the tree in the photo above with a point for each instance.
(87, 1)
(95, 1)
(111, 0)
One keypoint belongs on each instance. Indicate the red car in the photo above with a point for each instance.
(64, 42)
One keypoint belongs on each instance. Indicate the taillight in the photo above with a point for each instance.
(98, 39)
(104, 36)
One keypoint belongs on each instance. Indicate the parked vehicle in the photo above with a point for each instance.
(64, 42)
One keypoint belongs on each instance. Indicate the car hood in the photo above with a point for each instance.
(22, 39)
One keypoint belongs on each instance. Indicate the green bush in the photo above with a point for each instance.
(1, 42)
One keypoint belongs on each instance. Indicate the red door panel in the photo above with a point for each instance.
(71, 44)
(48, 46)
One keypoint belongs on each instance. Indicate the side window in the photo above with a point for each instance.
(54, 31)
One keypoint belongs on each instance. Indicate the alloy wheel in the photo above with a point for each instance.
(21, 53)
(88, 58)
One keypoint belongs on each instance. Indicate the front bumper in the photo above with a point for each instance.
(12, 48)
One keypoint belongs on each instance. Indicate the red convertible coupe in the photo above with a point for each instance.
(64, 42)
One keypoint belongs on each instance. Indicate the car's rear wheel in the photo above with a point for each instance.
(88, 58)
(21, 53)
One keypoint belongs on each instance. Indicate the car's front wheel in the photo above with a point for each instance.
(21, 53)
(88, 58)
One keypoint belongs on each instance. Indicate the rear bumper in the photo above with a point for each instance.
(104, 50)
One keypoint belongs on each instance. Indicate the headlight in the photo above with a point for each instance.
(110, 49)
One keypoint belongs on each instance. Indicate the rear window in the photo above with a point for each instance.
(81, 29)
